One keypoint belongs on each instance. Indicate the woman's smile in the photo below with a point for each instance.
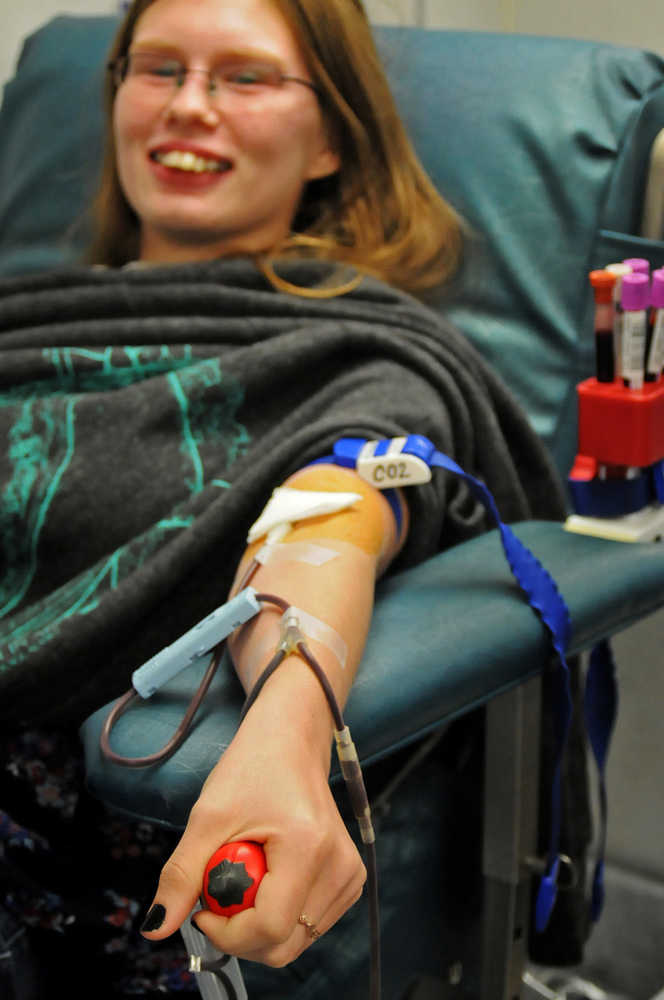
(183, 166)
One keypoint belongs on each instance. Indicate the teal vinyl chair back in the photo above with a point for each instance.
(542, 145)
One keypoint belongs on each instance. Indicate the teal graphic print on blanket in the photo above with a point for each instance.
(59, 415)
(131, 400)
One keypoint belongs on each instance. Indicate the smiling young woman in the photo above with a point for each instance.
(336, 162)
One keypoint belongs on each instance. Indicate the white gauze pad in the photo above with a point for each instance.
(287, 505)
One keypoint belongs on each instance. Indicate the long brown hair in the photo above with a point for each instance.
(379, 213)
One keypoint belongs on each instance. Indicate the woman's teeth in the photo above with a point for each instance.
(181, 160)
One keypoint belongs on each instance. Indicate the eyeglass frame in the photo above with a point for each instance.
(118, 69)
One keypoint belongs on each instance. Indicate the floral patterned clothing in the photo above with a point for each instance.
(75, 883)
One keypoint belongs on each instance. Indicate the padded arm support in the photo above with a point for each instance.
(411, 680)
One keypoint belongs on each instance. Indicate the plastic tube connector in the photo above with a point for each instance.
(290, 635)
(297, 624)
(196, 643)
(352, 775)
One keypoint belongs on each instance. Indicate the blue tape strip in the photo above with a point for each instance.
(600, 707)
(544, 597)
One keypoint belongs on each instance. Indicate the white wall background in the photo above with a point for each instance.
(638, 23)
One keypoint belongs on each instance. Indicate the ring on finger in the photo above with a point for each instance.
(312, 930)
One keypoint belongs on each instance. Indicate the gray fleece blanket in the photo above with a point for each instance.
(147, 414)
(145, 417)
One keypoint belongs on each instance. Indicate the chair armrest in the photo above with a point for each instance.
(446, 637)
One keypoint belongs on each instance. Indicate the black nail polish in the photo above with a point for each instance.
(154, 919)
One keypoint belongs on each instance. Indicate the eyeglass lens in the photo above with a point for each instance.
(244, 76)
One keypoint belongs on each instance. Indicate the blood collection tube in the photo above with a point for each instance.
(635, 302)
(638, 265)
(603, 283)
(655, 336)
(619, 270)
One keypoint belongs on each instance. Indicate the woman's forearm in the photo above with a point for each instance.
(271, 784)
(360, 543)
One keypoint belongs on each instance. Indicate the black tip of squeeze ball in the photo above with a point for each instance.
(228, 882)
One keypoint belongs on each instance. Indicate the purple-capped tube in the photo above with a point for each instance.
(635, 302)
(639, 265)
(655, 337)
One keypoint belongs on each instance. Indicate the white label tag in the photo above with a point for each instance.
(389, 470)
(633, 345)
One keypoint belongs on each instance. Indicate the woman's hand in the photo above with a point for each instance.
(270, 786)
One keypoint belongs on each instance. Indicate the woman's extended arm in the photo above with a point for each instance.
(271, 784)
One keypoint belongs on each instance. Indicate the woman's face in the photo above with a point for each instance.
(209, 174)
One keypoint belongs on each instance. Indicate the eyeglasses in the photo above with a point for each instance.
(249, 77)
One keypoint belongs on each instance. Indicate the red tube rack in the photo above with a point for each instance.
(621, 426)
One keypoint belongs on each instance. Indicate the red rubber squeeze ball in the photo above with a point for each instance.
(232, 877)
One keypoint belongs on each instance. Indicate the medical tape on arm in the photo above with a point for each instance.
(273, 553)
(295, 626)
(295, 621)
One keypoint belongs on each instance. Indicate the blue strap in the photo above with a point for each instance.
(600, 706)
(545, 598)
(410, 460)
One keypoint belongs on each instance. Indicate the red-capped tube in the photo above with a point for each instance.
(603, 283)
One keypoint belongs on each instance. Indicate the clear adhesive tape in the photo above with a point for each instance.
(319, 631)
(304, 552)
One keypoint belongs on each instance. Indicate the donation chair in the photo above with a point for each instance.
(544, 147)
